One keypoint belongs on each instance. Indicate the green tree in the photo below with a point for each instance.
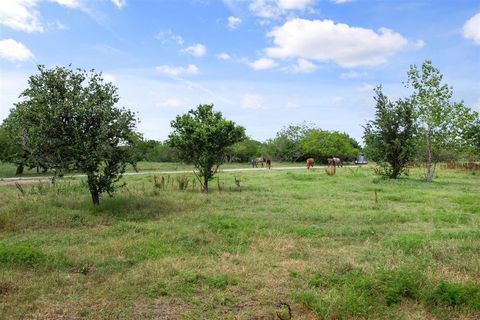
(323, 144)
(245, 150)
(441, 122)
(202, 137)
(472, 135)
(286, 144)
(8, 148)
(390, 137)
(68, 121)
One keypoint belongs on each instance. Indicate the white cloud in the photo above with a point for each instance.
(420, 44)
(74, 4)
(177, 71)
(291, 105)
(324, 40)
(471, 28)
(303, 66)
(14, 51)
(119, 3)
(168, 35)
(171, 103)
(252, 101)
(197, 50)
(263, 64)
(223, 56)
(295, 4)
(20, 15)
(234, 22)
(276, 8)
(352, 75)
(23, 15)
(342, 1)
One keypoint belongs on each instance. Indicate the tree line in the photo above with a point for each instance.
(295, 142)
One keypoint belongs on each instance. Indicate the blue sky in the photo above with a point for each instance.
(263, 63)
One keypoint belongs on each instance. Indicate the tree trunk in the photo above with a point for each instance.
(205, 184)
(429, 175)
(95, 197)
(19, 169)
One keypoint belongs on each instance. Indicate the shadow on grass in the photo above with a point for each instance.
(136, 208)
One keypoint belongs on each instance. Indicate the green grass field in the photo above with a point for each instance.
(349, 246)
(7, 170)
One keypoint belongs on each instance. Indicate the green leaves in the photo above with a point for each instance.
(390, 137)
(202, 137)
(441, 122)
(67, 121)
(323, 144)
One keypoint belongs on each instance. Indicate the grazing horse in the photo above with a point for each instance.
(256, 161)
(334, 161)
(310, 162)
(268, 161)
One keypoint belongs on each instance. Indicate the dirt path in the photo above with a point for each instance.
(36, 180)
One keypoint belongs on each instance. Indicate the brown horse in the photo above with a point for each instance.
(310, 162)
(268, 161)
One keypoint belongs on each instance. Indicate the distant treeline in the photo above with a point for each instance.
(295, 142)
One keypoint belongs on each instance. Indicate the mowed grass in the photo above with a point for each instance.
(323, 244)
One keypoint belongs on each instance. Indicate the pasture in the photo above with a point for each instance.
(348, 246)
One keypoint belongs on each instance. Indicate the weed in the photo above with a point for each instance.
(183, 182)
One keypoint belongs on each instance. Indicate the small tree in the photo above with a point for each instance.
(202, 137)
(441, 122)
(390, 137)
(67, 121)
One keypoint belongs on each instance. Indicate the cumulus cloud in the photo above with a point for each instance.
(303, 66)
(21, 15)
(252, 101)
(294, 4)
(197, 50)
(168, 35)
(263, 64)
(14, 51)
(178, 71)
(325, 40)
(223, 56)
(234, 22)
(275, 8)
(471, 28)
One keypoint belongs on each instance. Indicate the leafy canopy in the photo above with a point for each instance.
(390, 137)
(202, 137)
(67, 120)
